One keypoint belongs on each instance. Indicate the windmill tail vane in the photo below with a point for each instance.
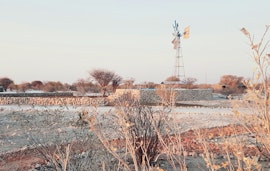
(186, 32)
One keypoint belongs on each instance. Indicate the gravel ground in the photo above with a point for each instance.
(20, 126)
(24, 127)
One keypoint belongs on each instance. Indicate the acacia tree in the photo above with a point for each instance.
(13, 87)
(37, 85)
(231, 84)
(24, 86)
(52, 86)
(103, 78)
(116, 82)
(173, 79)
(5, 82)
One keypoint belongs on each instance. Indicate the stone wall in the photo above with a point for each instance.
(53, 101)
(150, 96)
(145, 96)
(194, 94)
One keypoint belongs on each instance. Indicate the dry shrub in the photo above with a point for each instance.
(136, 130)
(166, 94)
(257, 122)
(258, 97)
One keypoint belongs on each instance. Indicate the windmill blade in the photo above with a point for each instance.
(175, 42)
(175, 26)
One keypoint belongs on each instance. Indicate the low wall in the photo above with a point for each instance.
(194, 94)
(53, 101)
(153, 96)
(145, 96)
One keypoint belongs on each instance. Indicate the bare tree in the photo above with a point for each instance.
(189, 82)
(103, 78)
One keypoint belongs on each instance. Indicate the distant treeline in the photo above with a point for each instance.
(48, 94)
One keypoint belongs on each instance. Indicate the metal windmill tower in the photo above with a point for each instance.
(179, 71)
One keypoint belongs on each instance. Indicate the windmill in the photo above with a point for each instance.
(179, 71)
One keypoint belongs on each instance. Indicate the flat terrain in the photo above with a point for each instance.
(21, 124)
(25, 128)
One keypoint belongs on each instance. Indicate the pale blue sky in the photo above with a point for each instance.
(61, 40)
